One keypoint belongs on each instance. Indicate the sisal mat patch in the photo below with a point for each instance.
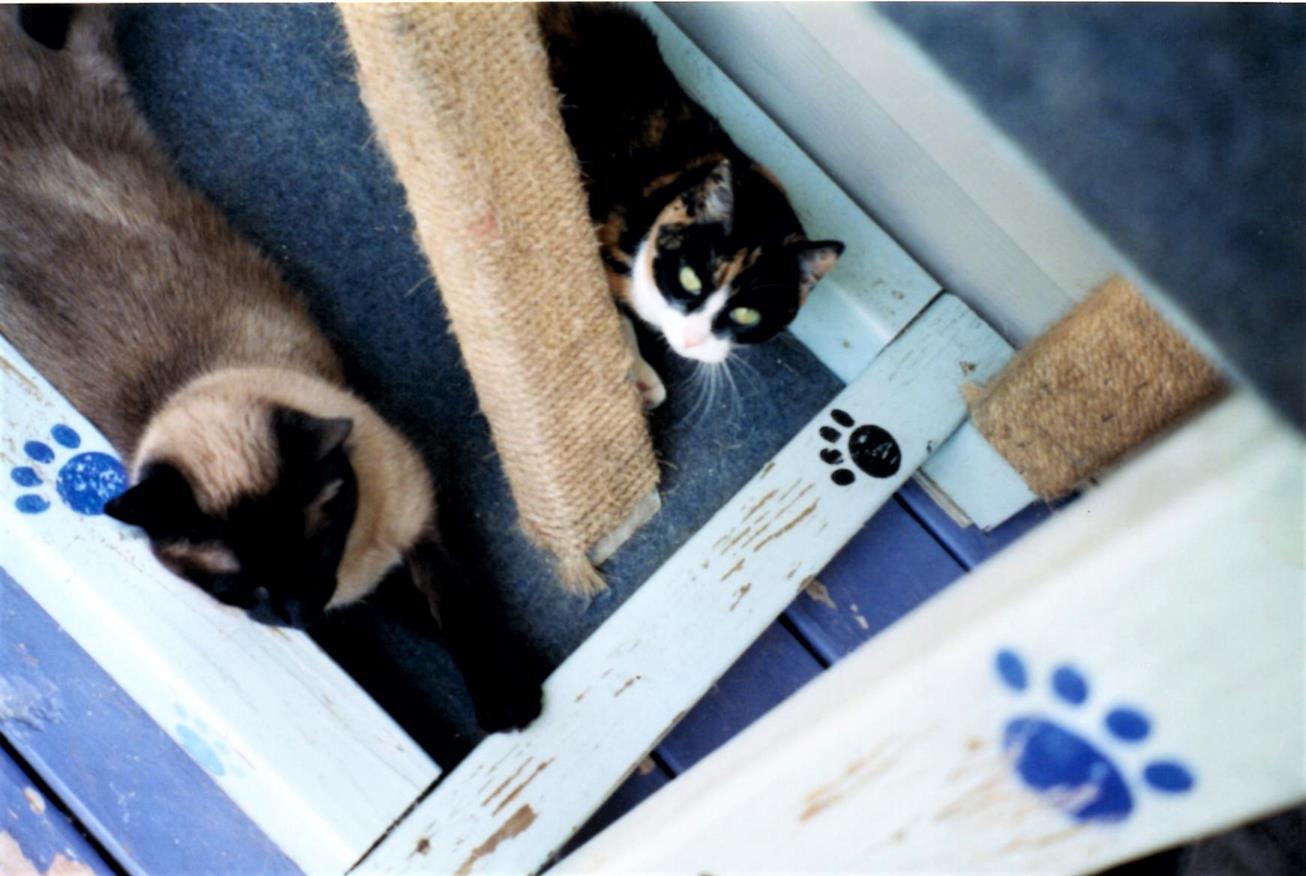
(1101, 381)
(461, 98)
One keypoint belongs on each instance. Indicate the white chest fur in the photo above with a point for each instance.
(689, 334)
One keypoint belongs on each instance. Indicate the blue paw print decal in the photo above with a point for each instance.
(1062, 765)
(85, 482)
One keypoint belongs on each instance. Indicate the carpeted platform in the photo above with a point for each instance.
(260, 110)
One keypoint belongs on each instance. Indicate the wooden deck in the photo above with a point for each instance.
(907, 552)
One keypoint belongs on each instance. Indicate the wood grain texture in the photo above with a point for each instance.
(519, 797)
(279, 727)
(968, 544)
(767, 673)
(979, 731)
(35, 835)
(149, 803)
(882, 574)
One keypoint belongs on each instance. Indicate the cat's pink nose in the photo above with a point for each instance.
(694, 340)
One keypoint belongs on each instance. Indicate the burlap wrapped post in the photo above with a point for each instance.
(462, 100)
(1106, 377)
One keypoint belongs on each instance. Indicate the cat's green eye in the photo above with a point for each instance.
(689, 279)
(746, 316)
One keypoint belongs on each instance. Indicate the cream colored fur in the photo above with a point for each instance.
(220, 422)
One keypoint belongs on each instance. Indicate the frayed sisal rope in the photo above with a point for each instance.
(1105, 378)
(461, 98)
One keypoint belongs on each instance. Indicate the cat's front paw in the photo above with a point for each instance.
(511, 704)
(650, 386)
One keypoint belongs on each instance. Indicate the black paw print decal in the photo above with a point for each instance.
(871, 448)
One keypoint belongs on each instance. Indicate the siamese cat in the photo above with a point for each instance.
(257, 475)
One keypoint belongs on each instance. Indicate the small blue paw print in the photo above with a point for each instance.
(1064, 767)
(211, 753)
(85, 482)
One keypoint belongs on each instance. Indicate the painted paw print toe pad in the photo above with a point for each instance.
(871, 448)
(1074, 765)
(84, 482)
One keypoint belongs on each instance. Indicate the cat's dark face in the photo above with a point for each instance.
(273, 552)
(710, 278)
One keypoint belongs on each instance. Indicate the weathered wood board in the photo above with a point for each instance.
(1127, 677)
(148, 802)
(766, 674)
(278, 726)
(519, 797)
(890, 567)
(35, 837)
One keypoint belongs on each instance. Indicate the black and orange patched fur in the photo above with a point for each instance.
(697, 239)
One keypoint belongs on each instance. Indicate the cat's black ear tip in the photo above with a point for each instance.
(114, 508)
(125, 508)
(834, 247)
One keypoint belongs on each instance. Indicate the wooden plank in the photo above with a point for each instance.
(145, 799)
(519, 797)
(764, 676)
(874, 290)
(968, 544)
(280, 728)
(645, 780)
(884, 572)
(35, 836)
(1126, 678)
(976, 480)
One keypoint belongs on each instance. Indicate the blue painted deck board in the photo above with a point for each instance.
(774, 667)
(35, 822)
(638, 786)
(148, 804)
(891, 566)
(970, 545)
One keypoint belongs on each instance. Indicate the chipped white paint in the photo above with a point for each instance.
(281, 729)
(519, 797)
(13, 862)
(876, 288)
(1177, 589)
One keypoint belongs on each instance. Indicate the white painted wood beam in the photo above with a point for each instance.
(519, 797)
(1127, 677)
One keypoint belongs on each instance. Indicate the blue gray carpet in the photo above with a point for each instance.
(259, 108)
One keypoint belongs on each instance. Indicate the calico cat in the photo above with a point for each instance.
(257, 475)
(697, 239)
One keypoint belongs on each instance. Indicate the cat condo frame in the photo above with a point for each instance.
(96, 659)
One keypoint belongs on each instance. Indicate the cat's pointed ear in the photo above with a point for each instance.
(714, 199)
(815, 259)
(160, 503)
(306, 437)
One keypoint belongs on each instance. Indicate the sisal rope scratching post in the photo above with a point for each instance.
(1102, 380)
(462, 100)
